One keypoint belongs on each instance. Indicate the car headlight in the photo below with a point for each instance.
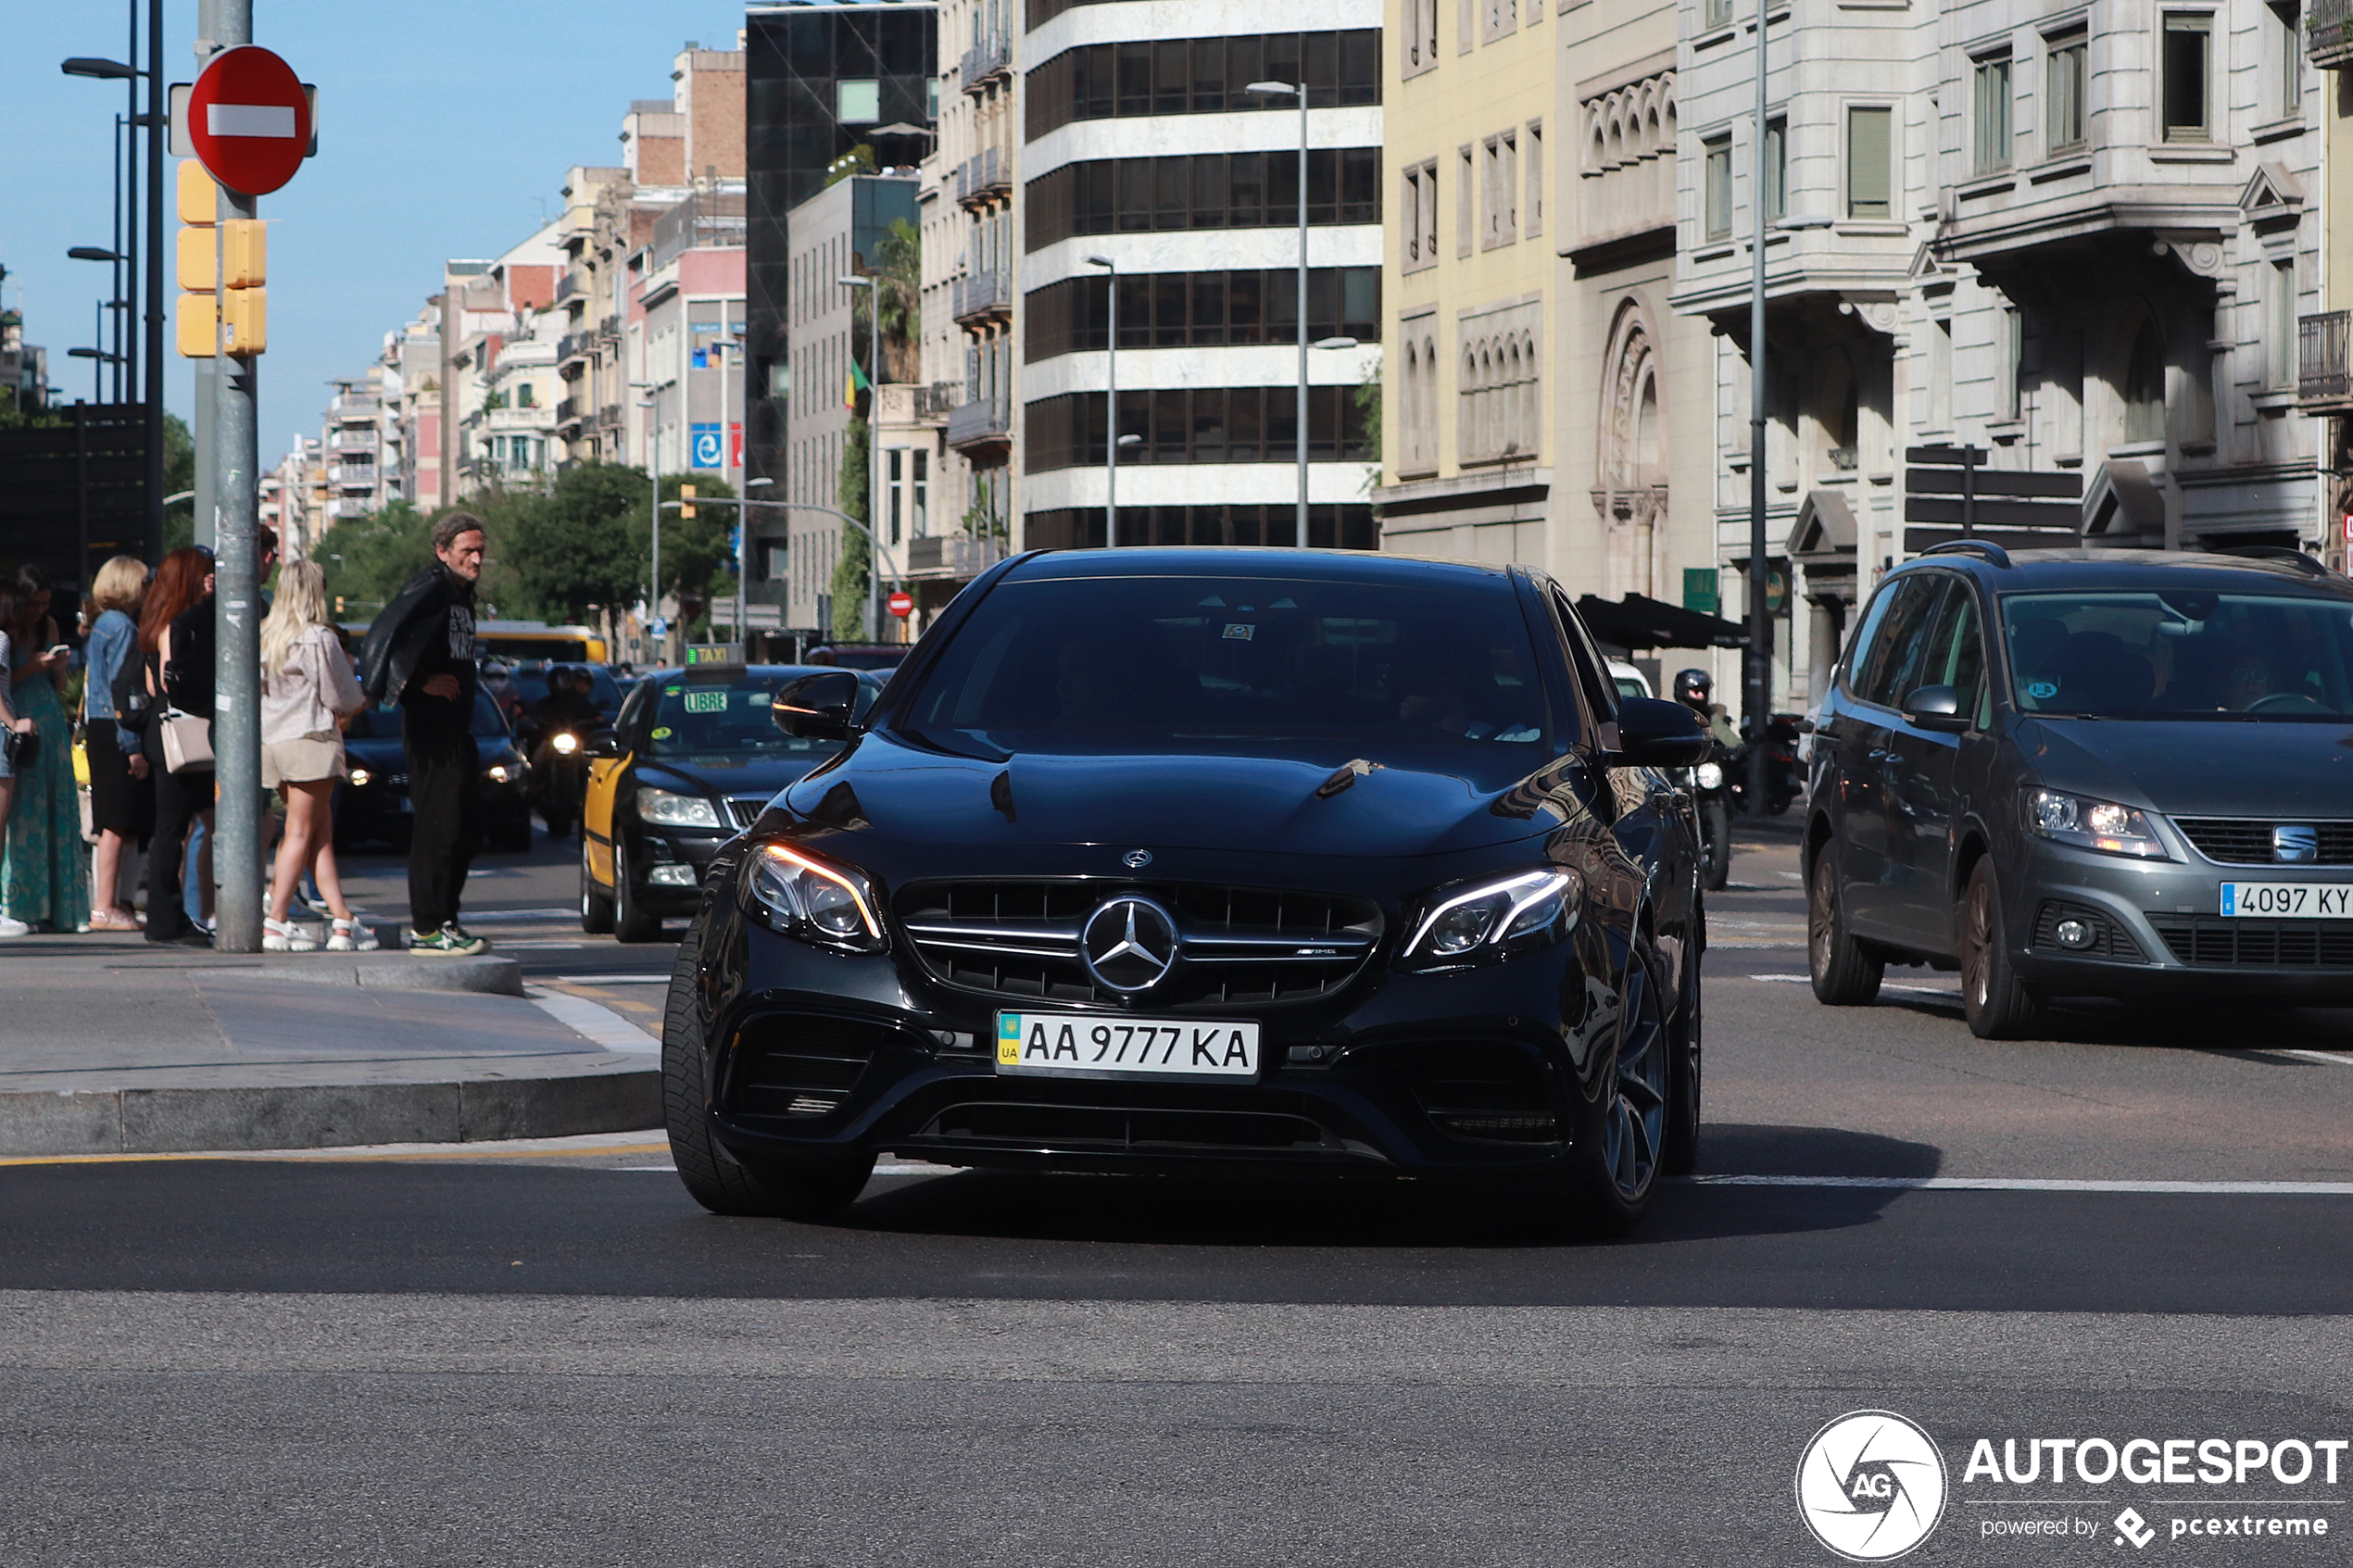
(498, 772)
(801, 895)
(1493, 920)
(563, 743)
(358, 778)
(2093, 824)
(664, 809)
(1708, 775)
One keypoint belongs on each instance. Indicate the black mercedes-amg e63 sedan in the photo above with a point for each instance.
(1162, 860)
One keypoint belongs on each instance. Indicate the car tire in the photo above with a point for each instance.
(596, 910)
(1620, 1136)
(1683, 1064)
(712, 1177)
(631, 921)
(1994, 1000)
(1844, 973)
(1715, 840)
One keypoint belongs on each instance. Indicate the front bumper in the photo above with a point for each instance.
(2155, 929)
(816, 1056)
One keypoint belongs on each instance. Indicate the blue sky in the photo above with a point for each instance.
(445, 127)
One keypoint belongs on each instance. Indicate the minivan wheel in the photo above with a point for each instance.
(1997, 1003)
(1845, 975)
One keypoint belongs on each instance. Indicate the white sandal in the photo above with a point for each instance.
(352, 936)
(285, 936)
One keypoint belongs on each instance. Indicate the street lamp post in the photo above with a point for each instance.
(1111, 404)
(653, 468)
(1299, 418)
(874, 449)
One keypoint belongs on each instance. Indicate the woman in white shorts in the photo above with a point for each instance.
(306, 693)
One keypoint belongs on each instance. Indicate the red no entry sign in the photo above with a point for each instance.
(249, 120)
(900, 603)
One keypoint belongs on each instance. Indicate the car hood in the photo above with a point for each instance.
(2230, 768)
(1246, 803)
(722, 774)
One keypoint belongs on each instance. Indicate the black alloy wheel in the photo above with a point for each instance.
(1621, 1133)
(631, 921)
(713, 1178)
(1997, 1003)
(1683, 1064)
(1844, 973)
(596, 910)
(1715, 844)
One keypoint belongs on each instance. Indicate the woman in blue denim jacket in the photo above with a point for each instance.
(122, 794)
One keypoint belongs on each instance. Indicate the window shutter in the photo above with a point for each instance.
(1867, 159)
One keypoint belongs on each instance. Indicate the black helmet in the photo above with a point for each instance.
(1692, 685)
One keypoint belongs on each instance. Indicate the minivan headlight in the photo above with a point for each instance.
(801, 895)
(2088, 823)
(1497, 919)
(669, 810)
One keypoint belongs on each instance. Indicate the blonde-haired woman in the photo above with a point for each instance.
(306, 692)
(122, 794)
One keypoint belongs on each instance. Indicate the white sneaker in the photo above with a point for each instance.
(285, 936)
(14, 927)
(353, 935)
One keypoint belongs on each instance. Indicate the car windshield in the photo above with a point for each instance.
(2176, 653)
(1107, 664)
(722, 719)
(382, 721)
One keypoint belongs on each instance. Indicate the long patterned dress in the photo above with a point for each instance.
(46, 873)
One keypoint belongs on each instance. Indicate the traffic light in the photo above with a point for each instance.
(222, 269)
(338, 607)
(686, 502)
(198, 325)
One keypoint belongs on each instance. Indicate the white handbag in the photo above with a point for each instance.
(187, 742)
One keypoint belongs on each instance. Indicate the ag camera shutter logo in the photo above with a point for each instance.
(1871, 1486)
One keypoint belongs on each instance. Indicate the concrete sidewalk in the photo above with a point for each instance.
(109, 1046)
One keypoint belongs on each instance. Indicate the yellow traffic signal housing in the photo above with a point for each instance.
(198, 259)
(245, 322)
(200, 197)
(245, 248)
(196, 325)
(687, 501)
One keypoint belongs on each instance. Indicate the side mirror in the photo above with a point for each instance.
(1654, 733)
(821, 707)
(1936, 708)
(604, 742)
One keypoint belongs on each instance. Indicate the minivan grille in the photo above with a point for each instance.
(2246, 840)
(1237, 947)
(2215, 943)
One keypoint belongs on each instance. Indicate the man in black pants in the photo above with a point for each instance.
(421, 651)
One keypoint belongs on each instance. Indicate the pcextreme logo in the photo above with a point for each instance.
(1871, 1486)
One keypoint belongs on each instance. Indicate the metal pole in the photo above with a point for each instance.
(743, 524)
(874, 462)
(236, 722)
(151, 362)
(653, 468)
(207, 433)
(1757, 710)
(1300, 523)
(118, 301)
(1111, 413)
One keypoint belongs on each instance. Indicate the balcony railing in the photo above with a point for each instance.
(984, 293)
(572, 347)
(353, 442)
(571, 412)
(990, 58)
(953, 555)
(938, 399)
(2324, 378)
(570, 289)
(983, 176)
(985, 423)
(2326, 37)
(343, 509)
(609, 417)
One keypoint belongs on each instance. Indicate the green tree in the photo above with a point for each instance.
(179, 474)
(850, 571)
(367, 558)
(588, 543)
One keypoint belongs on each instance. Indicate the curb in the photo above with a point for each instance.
(328, 1116)
(400, 972)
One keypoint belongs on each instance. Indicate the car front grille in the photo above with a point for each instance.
(2214, 942)
(1237, 947)
(2246, 840)
(742, 812)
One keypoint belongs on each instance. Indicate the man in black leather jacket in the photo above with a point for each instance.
(420, 652)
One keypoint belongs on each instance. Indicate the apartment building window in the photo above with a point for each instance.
(1990, 151)
(1534, 211)
(1776, 170)
(2280, 306)
(1420, 225)
(1202, 191)
(2287, 44)
(1421, 35)
(1465, 196)
(1716, 217)
(2013, 360)
(1502, 19)
(858, 102)
(894, 487)
(1466, 25)
(2145, 386)
(1869, 166)
(2189, 37)
(1200, 309)
(1208, 424)
(1719, 14)
(2064, 80)
(920, 513)
(1500, 189)
(1203, 76)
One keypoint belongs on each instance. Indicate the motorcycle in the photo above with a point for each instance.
(559, 778)
(1712, 797)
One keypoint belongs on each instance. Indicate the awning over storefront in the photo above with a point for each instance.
(1638, 621)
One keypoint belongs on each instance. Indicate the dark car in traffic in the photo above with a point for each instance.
(372, 804)
(2089, 773)
(693, 757)
(1209, 859)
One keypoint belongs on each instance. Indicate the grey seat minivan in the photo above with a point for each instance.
(2089, 773)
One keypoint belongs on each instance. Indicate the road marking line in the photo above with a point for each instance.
(2322, 1056)
(879, 1170)
(614, 979)
(601, 1024)
(355, 1155)
(2033, 1183)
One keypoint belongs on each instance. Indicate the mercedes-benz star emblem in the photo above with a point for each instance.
(1136, 860)
(1130, 943)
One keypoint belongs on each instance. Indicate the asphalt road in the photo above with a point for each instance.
(2142, 1227)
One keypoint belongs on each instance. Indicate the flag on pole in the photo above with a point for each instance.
(852, 384)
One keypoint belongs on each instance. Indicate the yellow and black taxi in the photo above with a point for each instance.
(694, 757)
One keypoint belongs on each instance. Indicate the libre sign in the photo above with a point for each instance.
(249, 121)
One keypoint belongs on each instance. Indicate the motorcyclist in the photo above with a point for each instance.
(1695, 690)
(499, 682)
(567, 705)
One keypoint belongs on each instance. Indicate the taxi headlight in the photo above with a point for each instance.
(665, 809)
(819, 902)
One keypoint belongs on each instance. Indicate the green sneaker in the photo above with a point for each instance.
(451, 942)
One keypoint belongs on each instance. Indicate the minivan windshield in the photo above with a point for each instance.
(2176, 653)
(1092, 665)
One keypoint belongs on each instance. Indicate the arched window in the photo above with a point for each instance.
(1646, 452)
(2145, 386)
